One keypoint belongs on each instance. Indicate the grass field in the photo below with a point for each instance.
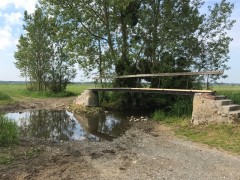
(15, 92)
(231, 92)
(77, 89)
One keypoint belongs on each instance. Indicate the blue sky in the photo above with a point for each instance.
(11, 15)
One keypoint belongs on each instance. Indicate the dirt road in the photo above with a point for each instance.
(148, 150)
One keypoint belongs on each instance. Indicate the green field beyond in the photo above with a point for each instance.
(231, 92)
(15, 92)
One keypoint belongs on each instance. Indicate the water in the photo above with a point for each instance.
(63, 125)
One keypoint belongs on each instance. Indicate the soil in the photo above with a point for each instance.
(50, 103)
(148, 150)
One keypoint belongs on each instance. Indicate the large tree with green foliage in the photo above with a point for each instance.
(33, 54)
(213, 38)
(145, 36)
(41, 54)
(100, 33)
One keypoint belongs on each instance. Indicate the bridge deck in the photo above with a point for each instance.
(154, 90)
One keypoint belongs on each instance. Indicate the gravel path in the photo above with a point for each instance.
(157, 155)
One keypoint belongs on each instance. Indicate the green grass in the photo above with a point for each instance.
(17, 92)
(77, 89)
(8, 132)
(223, 136)
(232, 92)
(5, 98)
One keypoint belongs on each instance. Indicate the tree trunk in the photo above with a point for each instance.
(107, 23)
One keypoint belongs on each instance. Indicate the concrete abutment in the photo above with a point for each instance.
(208, 108)
(88, 98)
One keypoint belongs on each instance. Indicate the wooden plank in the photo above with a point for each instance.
(163, 75)
(154, 90)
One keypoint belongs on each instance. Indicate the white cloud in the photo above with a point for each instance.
(6, 38)
(29, 5)
(13, 18)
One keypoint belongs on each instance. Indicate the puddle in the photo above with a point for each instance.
(63, 125)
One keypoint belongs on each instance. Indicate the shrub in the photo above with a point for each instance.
(8, 132)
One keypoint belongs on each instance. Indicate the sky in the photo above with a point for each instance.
(11, 21)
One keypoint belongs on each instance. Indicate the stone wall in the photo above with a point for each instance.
(208, 108)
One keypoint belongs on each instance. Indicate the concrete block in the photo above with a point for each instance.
(88, 98)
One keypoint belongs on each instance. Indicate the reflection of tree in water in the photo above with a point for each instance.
(112, 125)
(56, 125)
(102, 126)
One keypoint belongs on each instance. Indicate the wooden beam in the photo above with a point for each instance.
(163, 75)
(154, 90)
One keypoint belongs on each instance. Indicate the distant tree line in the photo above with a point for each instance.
(123, 37)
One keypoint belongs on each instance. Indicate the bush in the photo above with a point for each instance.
(8, 132)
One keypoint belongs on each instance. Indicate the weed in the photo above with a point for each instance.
(8, 132)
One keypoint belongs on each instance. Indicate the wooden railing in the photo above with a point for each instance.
(153, 90)
(163, 75)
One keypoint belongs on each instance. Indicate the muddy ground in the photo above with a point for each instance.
(148, 150)
(25, 105)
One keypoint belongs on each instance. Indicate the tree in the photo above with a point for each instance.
(145, 36)
(168, 36)
(33, 49)
(96, 38)
(42, 55)
(61, 65)
(213, 39)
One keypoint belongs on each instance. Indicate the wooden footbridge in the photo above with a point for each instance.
(207, 107)
(152, 90)
(157, 90)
